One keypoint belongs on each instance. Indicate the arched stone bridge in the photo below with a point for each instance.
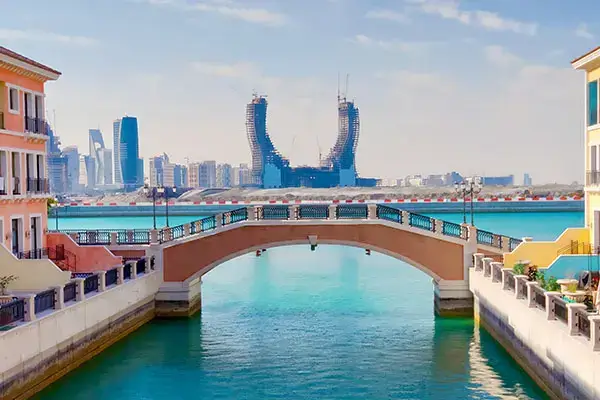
(441, 249)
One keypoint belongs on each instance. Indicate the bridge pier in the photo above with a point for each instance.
(179, 299)
(452, 298)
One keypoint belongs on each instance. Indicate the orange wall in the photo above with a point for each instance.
(17, 142)
(89, 258)
(25, 209)
(14, 122)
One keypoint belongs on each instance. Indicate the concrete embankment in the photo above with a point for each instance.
(47, 346)
(555, 342)
(181, 209)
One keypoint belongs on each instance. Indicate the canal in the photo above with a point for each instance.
(295, 324)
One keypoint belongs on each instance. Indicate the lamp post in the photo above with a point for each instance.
(474, 188)
(461, 190)
(174, 189)
(148, 190)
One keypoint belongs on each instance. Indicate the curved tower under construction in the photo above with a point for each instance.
(271, 170)
(268, 166)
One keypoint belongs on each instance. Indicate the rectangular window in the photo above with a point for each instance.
(593, 159)
(13, 100)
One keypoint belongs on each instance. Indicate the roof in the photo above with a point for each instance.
(10, 53)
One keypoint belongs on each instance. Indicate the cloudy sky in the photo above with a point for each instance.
(474, 86)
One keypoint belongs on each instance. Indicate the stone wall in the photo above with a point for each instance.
(37, 353)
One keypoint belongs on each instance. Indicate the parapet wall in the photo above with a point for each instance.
(39, 352)
(557, 355)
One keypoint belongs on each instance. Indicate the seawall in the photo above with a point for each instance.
(39, 352)
(553, 352)
(424, 207)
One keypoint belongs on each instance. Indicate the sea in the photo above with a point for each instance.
(332, 324)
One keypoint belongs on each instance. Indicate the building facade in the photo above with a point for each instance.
(207, 174)
(590, 64)
(57, 164)
(224, 176)
(24, 185)
(71, 154)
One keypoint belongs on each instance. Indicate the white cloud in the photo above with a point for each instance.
(41, 36)
(388, 15)
(237, 70)
(227, 8)
(499, 56)
(391, 45)
(450, 9)
(582, 31)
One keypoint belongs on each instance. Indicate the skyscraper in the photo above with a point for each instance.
(97, 157)
(128, 170)
(267, 164)
(57, 164)
(71, 153)
(107, 166)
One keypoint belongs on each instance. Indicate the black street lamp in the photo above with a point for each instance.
(154, 191)
(174, 189)
(474, 187)
(471, 187)
(461, 190)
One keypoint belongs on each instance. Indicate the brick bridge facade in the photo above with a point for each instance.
(442, 250)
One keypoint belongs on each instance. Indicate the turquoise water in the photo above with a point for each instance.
(330, 324)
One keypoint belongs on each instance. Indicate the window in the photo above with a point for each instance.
(13, 99)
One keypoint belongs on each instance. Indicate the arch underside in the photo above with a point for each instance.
(438, 258)
(272, 245)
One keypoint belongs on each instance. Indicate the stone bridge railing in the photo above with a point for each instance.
(292, 213)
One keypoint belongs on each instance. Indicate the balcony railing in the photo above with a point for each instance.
(37, 185)
(64, 259)
(36, 125)
(592, 178)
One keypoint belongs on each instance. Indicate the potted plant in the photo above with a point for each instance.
(550, 285)
(573, 294)
(4, 282)
(519, 269)
(566, 283)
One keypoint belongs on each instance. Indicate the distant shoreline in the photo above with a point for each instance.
(89, 210)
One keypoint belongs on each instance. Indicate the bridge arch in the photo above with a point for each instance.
(185, 261)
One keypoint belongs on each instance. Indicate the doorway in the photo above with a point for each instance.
(36, 234)
(16, 232)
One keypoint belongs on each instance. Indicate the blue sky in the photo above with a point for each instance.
(475, 86)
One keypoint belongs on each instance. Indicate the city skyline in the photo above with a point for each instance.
(477, 82)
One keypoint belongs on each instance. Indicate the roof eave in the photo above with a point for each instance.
(584, 61)
(46, 74)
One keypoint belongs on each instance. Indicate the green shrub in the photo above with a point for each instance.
(552, 285)
(519, 269)
(541, 278)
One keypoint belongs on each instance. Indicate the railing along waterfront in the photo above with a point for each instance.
(64, 259)
(74, 291)
(291, 212)
(576, 319)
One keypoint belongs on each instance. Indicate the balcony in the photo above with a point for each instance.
(37, 185)
(36, 125)
(592, 178)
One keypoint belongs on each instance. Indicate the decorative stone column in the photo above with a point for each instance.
(101, 281)
(531, 293)
(487, 269)
(573, 312)
(114, 236)
(505, 244)
(520, 283)
(29, 308)
(59, 297)
(595, 331)
(187, 229)
(478, 261)
(79, 289)
(153, 236)
(371, 211)
(332, 211)
(438, 226)
(218, 221)
(251, 211)
(550, 296)
(405, 218)
(120, 274)
(133, 269)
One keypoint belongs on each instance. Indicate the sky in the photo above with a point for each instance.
(480, 87)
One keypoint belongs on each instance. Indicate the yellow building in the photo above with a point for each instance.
(590, 63)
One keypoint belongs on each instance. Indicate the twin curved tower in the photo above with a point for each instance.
(272, 170)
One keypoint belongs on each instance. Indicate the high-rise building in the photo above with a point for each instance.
(107, 165)
(527, 181)
(224, 176)
(162, 172)
(129, 168)
(193, 170)
(57, 164)
(180, 176)
(71, 153)
(97, 157)
(268, 166)
(207, 174)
